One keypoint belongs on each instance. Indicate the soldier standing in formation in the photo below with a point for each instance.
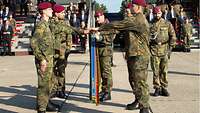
(42, 44)
(137, 53)
(63, 40)
(104, 43)
(161, 42)
(187, 34)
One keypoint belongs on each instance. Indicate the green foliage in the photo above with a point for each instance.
(101, 7)
(152, 1)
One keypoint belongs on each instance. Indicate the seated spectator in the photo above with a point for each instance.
(24, 7)
(172, 13)
(12, 22)
(7, 35)
(150, 16)
(83, 16)
(12, 6)
(71, 7)
(6, 13)
(83, 38)
(82, 5)
(75, 22)
(69, 16)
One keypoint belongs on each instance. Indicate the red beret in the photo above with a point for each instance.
(129, 5)
(58, 8)
(44, 5)
(98, 13)
(156, 10)
(139, 2)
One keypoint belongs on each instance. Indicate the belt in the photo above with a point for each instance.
(156, 43)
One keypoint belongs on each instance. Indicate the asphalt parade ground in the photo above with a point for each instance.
(18, 82)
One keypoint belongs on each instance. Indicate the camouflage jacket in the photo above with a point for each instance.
(187, 29)
(63, 37)
(105, 43)
(162, 37)
(106, 37)
(42, 42)
(137, 29)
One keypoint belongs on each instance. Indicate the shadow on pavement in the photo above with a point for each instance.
(184, 73)
(87, 86)
(77, 63)
(86, 100)
(6, 111)
(181, 73)
(22, 96)
(73, 108)
(68, 107)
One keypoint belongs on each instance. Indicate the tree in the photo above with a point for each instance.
(101, 7)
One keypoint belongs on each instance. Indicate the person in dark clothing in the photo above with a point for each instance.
(6, 33)
(24, 6)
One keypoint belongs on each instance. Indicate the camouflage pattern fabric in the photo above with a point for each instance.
(166, 38)
(160, 47)
(138, 34)
(105, 53)
(187, 33)
(159, 67)
(105, 68)
(42, 45)
(63, 43)
(137, 53)
(137, 69)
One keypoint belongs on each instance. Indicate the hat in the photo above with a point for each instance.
(58, 8)
(44, 5)
(139, 2)
(129, 5)
(156, 10)
(98, 13)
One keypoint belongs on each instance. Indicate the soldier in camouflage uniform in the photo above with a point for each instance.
(42, 44)
(137, 53)
(187, 34)
(104, 44)
(63, 40)
(161, 42)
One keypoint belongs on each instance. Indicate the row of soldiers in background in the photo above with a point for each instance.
(12, 5)
(7, 30)
(176, 15)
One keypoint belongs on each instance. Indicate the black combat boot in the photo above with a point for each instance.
(41, 111)
(133, 105)
(61, 94)
(105, 96)
(51, 107)
(54, 104)
(164, 92)
(144, 110)
(157, 92)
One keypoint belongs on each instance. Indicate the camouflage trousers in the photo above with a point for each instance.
(59, 74)
(159, 67)
(44, 87)
(187, 41)
(137, 69)
(105, 69)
